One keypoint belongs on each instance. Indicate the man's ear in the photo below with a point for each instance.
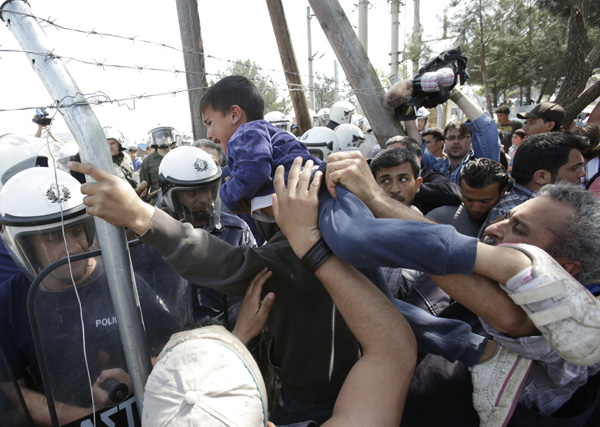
(418, 183)
(570, 266)
(549, 125)
(542, 177)
(503, 191)
(236, 114)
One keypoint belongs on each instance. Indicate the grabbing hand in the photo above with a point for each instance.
(117, 375)
(296, 207)
(253, 313)
(350, 169)
(113, 199)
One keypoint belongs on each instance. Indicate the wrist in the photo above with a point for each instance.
(316, 256)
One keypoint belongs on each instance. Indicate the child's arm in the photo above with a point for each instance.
(250, 159)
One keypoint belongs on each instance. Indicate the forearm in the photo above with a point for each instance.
(37, 406)
(468, 106)
(484, 297)
(411, 130)
(191, 253)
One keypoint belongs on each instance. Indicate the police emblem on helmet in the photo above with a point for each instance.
(200, 165)
(58, 195)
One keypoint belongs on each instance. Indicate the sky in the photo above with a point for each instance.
(132, 49)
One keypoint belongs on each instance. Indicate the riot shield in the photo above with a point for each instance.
(78, 345)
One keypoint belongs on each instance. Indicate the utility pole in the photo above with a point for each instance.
(193, 58)
(363, 24)
(395, 31)
(311, 87)
(290, 66)
(358, 68)
(336, 87)
(417, 29)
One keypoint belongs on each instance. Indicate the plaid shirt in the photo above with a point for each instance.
(519, 194)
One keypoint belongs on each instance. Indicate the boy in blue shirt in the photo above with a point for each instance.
(232, 110)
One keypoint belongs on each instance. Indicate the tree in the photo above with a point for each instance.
(583, 57)
(269, 89)
(523, 44)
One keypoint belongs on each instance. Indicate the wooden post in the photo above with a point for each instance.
(193, 58)
(290, 66)
(358, 68)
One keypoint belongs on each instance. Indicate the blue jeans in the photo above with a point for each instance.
(366, 242)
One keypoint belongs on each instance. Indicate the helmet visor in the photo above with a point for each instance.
(36, 247)
(198, 205)
(162, 137)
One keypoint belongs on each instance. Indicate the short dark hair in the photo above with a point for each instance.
(392, 157)
(207, 143)
(503, 109)
(548, 151)
(234, 90)
(459, 125)
(437, 133)
(480, 173)
(520, 132)
(409, 143)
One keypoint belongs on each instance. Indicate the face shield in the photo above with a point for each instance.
(162, 137)
(34, 247)
(199, 205)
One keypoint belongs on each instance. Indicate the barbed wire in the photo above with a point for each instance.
(346, 89)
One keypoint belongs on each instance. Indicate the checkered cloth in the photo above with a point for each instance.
(432, 81)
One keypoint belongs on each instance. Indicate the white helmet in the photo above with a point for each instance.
(189, 181)
(322, 117)
(320, 141)
(423, 113)
(36, 202)
(114, 133)
(18, 153)
(278, 119)
(350, 137)
(341, 112)
(162, 136)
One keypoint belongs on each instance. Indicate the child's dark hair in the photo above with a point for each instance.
(234, 90)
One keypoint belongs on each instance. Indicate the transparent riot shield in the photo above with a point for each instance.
(174, 291)
(78, 345)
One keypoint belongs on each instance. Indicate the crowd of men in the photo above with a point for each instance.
(445, 277)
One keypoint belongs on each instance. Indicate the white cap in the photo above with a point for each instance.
(205, 377)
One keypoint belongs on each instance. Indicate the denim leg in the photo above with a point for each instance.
(449, 338)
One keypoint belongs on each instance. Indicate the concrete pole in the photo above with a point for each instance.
(395, 31)
(311, 87)
(86, 129)
(363, 24)
(417, 29)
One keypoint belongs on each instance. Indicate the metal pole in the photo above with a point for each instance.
(93, 148)
(311, 88)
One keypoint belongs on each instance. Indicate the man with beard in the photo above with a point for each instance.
(483, 182)
(540, 316)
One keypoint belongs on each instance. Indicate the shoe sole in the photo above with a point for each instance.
(572, 326)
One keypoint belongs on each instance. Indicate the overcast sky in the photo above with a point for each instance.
(231, 30)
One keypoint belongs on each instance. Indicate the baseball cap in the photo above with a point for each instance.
(205, 377)
(546, 110)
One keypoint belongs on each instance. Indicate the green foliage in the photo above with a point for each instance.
(271, 91)
(519, 43)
